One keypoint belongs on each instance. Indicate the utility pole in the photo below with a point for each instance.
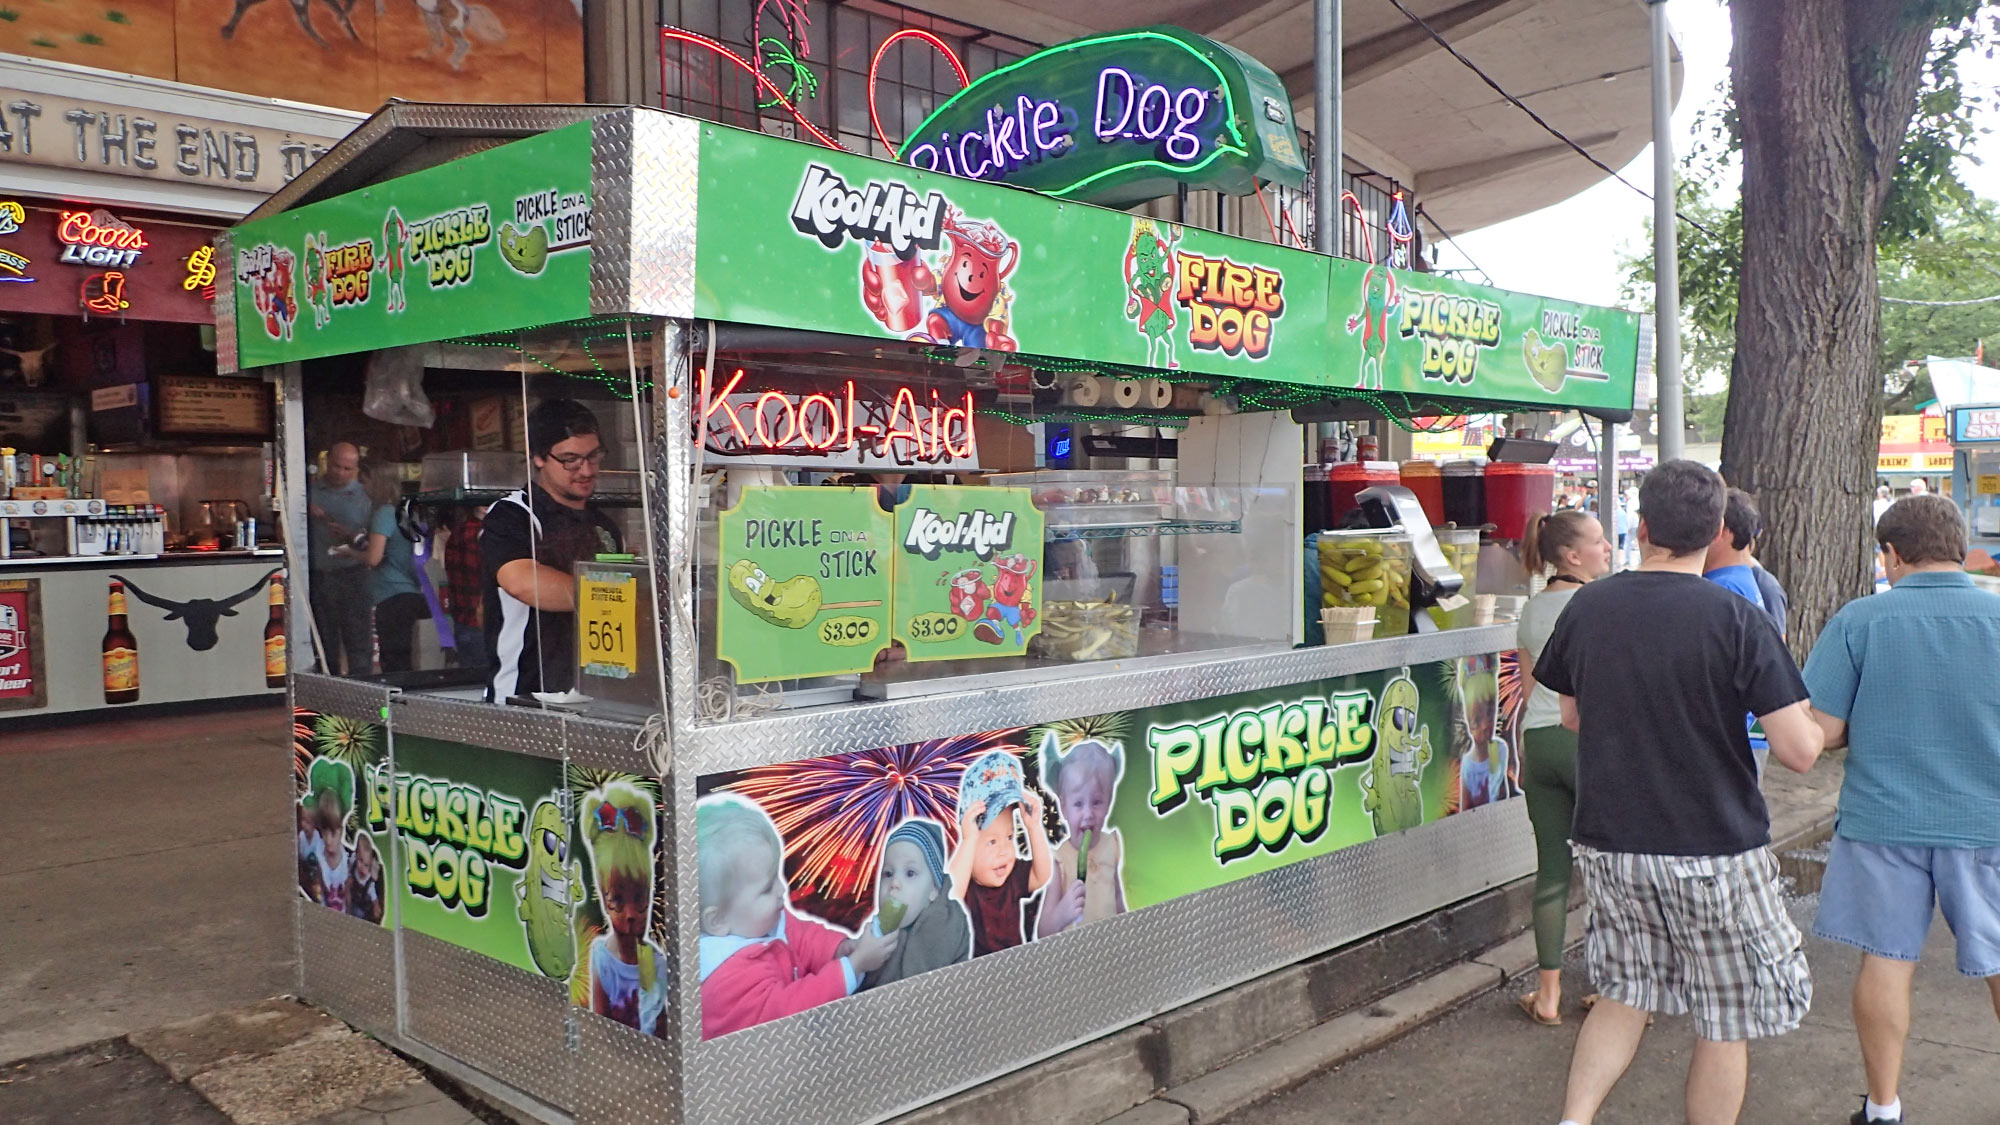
(1326, 126)
(1669, 413)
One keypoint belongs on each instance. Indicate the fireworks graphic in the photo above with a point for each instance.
(302, 746)
(353, 741)
(834, 812)
(1108, 729)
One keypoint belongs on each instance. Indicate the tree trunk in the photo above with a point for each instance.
(1824, 91)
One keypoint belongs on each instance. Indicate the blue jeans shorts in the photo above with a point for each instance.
(1879, 898)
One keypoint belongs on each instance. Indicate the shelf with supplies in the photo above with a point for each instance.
(491, 495)
(1161, 527)
(50, 509)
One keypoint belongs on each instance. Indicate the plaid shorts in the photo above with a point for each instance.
(1701, 934)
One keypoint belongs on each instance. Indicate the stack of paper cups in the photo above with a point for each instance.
(1126, 393)
(1347, 624)
(1482, 608)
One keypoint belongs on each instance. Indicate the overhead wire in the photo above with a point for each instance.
(1538, 119)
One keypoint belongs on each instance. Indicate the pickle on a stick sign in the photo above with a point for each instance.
(968, 572)
(803, 583)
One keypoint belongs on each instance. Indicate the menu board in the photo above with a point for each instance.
(200, 405)
(968, 572)
(803, 583)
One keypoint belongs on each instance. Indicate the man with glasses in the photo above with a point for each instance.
(529, 542)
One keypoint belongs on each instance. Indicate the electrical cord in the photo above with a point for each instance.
(1558, 134)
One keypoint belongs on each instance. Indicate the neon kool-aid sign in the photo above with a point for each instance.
(1116, 119)
(847, 424)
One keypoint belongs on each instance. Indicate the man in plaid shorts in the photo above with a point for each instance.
(1655, 669)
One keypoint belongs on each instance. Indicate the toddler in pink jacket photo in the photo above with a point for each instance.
(759, 959)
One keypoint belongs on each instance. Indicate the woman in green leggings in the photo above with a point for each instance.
(1573, 543)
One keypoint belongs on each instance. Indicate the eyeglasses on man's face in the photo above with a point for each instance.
(572, 461)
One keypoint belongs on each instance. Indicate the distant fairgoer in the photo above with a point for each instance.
(1905, 678)
(1882, 501)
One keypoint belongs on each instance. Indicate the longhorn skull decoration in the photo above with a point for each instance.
(200, 614)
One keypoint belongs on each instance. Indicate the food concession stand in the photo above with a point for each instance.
(981, 636)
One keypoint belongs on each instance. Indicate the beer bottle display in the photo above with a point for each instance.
(121, 653)
(274, 636)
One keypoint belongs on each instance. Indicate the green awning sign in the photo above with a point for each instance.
(1118, 119)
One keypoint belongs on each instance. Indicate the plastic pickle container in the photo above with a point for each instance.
(1075, 630)
(1368, 568)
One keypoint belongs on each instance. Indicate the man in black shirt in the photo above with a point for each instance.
(530, 540)
(1656, 669)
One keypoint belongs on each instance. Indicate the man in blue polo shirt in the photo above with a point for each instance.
(1906, 678)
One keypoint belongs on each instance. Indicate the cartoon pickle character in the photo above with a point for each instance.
(527, 250)
(1149, 278)
(394, 235)
(548, 891)
(1379, 296)
(970, 286)
(1402, 750)
(316, 294)
(789, 604)
(1012, 605)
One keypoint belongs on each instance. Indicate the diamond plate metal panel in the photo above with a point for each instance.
(1047, 996)
(332, 695)
(521, 730)
(811, 734)
(377, 143)
(347, 966)
(225, 303)
(666, 179)
(490, 1015)
(623, 1077)
(643, 177)
(611, 154)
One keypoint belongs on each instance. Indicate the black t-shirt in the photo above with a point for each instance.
(530, 650)
(1663, 667)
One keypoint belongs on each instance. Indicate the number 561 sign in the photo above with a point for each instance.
(607, 622)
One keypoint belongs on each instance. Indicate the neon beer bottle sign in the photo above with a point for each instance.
(1117, 119)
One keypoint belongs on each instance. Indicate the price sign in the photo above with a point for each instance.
(607, 622)
(968, 572)
(1988, 484)
(804, 576)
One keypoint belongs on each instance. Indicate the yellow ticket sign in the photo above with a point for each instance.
(607, 622)
(1988, 484)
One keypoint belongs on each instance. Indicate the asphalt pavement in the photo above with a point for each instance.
(1486, 1063)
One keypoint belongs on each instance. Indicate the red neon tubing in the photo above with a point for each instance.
(875, 65)
(676, 33)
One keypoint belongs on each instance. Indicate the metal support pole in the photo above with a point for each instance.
(1607, 489)
(1326, 126)
(1669, 413)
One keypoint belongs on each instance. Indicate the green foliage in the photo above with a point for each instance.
(1936, 241)
(91, 39)
(43, 41)
(9, 14)
(116, 16)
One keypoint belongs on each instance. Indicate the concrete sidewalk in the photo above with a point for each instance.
(1292, 1077)
(1485, 1062)
(144, 874)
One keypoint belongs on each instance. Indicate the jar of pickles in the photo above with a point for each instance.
(1460, 546)
(1370, 567)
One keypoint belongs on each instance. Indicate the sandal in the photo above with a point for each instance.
(1527, 1004)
